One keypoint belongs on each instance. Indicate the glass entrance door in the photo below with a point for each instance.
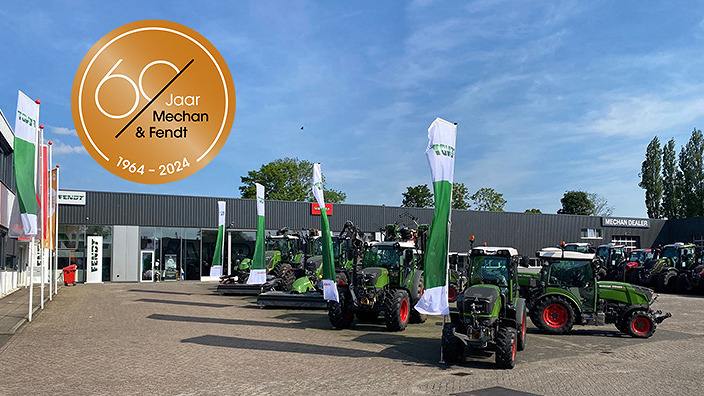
(147, 266)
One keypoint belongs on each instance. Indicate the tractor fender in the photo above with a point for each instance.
(576, 306)
(520, 309)
(415, 290)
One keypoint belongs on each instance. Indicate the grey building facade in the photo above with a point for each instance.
(175, 235)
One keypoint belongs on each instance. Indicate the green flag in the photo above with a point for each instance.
(441, 157)
(257, 273)
(329, 285)
(216, 267)
(25, 155)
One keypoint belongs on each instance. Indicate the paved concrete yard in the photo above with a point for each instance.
(182, 339)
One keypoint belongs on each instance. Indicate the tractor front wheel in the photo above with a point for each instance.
(506, 340)
(287, 276)
(397, 310)
(640, 324)
(553, 315)
(339, 316)
(418, 289)
(452, 347)
(666, 281)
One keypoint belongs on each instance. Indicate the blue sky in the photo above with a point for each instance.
(548, 97)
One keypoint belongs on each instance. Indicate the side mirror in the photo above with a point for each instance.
(524, 261)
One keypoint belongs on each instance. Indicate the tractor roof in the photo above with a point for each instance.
(283, 237)
(551, 253)
(493, 250)
(404, 244)
(679, 245)
(611, 245)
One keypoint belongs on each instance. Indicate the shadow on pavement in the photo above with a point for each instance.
(190, 303)
(233, 322)
(159, 292)
(278, 346)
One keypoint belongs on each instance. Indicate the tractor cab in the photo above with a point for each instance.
(611, 254)
(283, 247)
(396, 259)
(494, 266)
(640, 256)
(681, 255)
(573, 273)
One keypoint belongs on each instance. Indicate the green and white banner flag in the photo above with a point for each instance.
(257, 272)
(329, 285)
(26, 125)
(441, 157)
(216, 267)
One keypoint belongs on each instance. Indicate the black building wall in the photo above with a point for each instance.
(527, 232)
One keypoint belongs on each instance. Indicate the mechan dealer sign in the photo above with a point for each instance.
(72, 197)
(621, 222)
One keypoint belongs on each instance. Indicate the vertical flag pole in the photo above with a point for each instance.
(56, 233)
(42, 210)
(49, 229)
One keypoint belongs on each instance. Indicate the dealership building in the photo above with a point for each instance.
(176, 235)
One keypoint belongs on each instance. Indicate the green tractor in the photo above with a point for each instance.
(490, 314)
(284, 252)
(566, 292)
(664, 273)
(389, 280)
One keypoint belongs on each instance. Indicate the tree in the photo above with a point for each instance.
(651, 179)
(576, 202)
(417, 197)
(460, 196)
(488, 199)
(287, 179)
(692, 187)
(533, 211)
(601, 206)
(670, 182)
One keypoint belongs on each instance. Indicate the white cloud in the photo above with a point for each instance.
(63, 148)
(58, 130)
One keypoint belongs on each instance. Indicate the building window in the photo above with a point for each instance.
(591, 233)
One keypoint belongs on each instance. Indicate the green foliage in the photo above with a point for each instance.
(287, 179)
(533, 211)
(652, 180)
(692, 168)
(460, 196)
(576, 202)
(417, 197)
(671, 182)
(488, 199)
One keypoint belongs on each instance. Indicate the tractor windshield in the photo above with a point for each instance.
(670, 252)
(489, 269)
(603, 253)
(571, 273)
(318, 247)
(381, 256)
(277, 244)
(640, 256)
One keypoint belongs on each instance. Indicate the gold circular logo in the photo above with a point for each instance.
(153, 102)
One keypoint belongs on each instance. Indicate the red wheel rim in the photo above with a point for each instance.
(640, 325)
(404, 310)
(341, 282)
(523, 331)
(513, 353)
(451, 294)
(555, 315)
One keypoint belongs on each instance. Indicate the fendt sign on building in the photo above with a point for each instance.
(72, 197)
(621, 222)
(315, 209)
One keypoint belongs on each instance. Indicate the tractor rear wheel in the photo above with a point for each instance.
(287, 276)
(640, 324)
(666, 281)
(521, 342)
(416, 292)
(452, 347)
(553, 315)
(397, 310)
(506, 341)
(339, 316)
(683, 284)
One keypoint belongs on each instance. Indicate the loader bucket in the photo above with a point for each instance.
(279, 299)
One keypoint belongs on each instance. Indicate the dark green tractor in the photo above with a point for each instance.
(566, 292)
(389, 280)
(284, 252)
(490, 314)
(663, 273)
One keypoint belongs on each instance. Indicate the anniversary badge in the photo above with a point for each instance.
(153, 101)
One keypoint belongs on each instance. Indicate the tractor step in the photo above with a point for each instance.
(279, 299)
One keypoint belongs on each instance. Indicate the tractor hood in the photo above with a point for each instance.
(625, 292)
(485, 300)
(313, 263)
(375, 277)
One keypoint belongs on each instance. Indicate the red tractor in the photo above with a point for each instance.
(636, 259)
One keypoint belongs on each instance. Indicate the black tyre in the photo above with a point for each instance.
(633, 277)
(339, 316)
(521, 333)
(553, 315)
(65, 283)
(397, 310)
(639, 324)
(666, 281)
(683, 284)
(287, 276)
(506, 341)
(452, 347)
(417, 291)
(276, 271)
(367, 316)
